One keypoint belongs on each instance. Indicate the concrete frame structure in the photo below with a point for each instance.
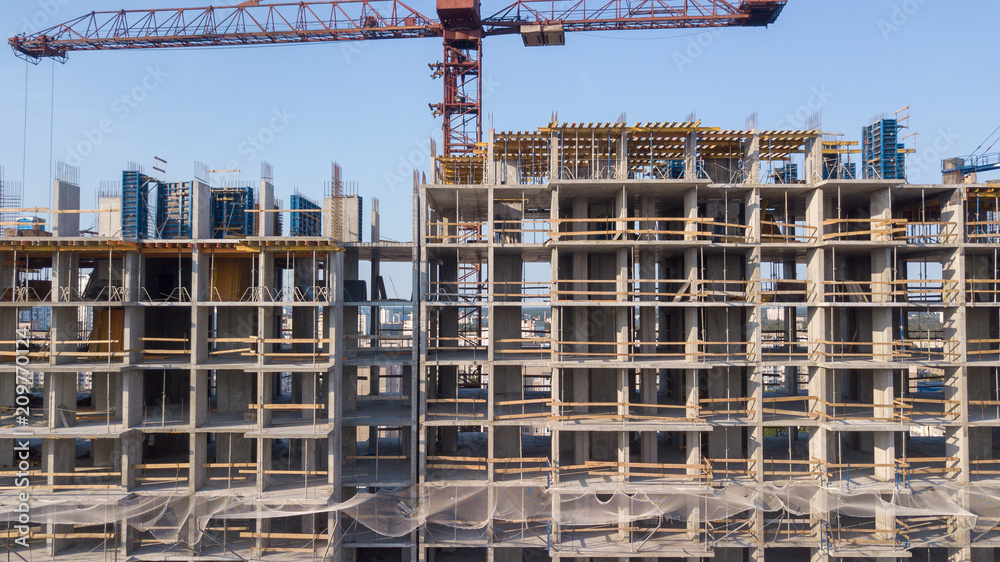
(220, 368)
(661, 374)
(707, 332)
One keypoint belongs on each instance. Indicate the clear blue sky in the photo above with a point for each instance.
(365, 104)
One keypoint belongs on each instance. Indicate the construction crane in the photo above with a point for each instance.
(459, 24)
(964, 168)
(956, 170)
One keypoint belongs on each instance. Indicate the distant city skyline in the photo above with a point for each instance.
(145, 101)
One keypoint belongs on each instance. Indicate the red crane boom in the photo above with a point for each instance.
(458, 23)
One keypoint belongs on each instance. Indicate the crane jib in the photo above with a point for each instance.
(459, 23)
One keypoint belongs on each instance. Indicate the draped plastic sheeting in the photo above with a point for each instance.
(183, 518)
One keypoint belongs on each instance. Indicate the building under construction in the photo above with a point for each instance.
(651, 341)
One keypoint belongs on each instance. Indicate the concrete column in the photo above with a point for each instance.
(691, 156)
(555, 161)
(265, 220)
(754, 337)
(647, 335)
(506, 381)
(690, 212)
(956, 388)
(334, 327)
(134, 321)
(623, 319)
(885, 450)
(201, 216)
(60, 399)
(8, 381)
(815, 257)
(198, 457)
(814, 159)
(261, 541)
(304, 326)
(58, 456)
(65, 278)
(351, 384)
(622, 157)
(692, 440)
(493, 167)
(822, 441)
(265, 396)
(955, 267)
(957, 444)
(689, 388)
(789, 271)
(692, 274)
(8, 393)
(882, 380)
(65, 197)
(201, 277)
(60, 388)
(263, 463)
(559, 376)
(751, 164)
(579, 331)
(131, 448)
(267, 329)
(199, 383)
(603, 326)
(132, 399)
(448, 332)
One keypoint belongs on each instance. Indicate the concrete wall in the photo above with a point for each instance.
(65, 197)
(109, 221)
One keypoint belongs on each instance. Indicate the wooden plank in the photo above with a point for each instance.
(304, 536)
(287, 406)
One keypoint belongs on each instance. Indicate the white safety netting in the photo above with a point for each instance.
(184, 518)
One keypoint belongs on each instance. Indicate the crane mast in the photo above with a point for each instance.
(460, 69)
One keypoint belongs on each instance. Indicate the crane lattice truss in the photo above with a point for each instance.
(459, 24)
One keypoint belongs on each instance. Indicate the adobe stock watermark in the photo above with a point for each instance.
(901, 14)
(256, 143)
(350, 49)
(44, 17)
(122, 107)
(414, 160)
(923, 160)
(818, 97)
(695, 48)
(22, 452)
